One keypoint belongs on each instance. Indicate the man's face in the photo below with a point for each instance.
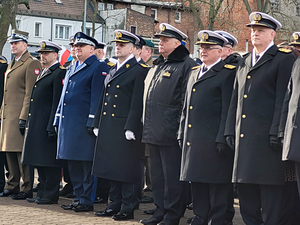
(209, 54)
(48, 58)
(123, 50)
(145, 53)
(99, 53)
(72, 51)
(18, 48)
(83, 51)
(261, 36)
(137, 52)
(167, 45)
(227, 50)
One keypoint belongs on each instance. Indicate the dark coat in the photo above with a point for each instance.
(76, 110)
(38, 149)
(120, 109)
(3, 67)
(290, 119)
(203, 123)
(165, 87)
(254, 115)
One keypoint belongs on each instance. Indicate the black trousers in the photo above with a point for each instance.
(2, 170)
(260, 204)
(50, 179)
(210, 202)
(169, 194)
(103, 187)
(123, 196)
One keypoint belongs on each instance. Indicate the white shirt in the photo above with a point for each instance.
(261, 54)
(208, 68)
(118, 65)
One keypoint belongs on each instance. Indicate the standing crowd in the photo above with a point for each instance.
(205, 133)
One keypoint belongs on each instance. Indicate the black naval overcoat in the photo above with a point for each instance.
(203, 123)
(254, 115)
(38, 149)
(120, 109)
(165, 87)
(290, 119)
(3, 67)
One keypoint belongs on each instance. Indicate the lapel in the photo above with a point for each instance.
(86, 63)
(113, 74)
(269, 55)
(49, 71)
(19, 63)
(212, 72)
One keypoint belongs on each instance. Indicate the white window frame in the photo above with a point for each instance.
(40, 29)
(101, 6)
(65, 37)
(178, 20)
(90, 29)
(18, 24)
(109, 6)
(155, 14)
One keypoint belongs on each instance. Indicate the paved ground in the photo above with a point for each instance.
(21, 212)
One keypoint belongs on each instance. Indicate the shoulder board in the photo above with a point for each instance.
(110, 64)
(195, 67)
(229, 66)
(63, 68)
(2, 61)
(143, 65)
(284, 50)
(34, 58)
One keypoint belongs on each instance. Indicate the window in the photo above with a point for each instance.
(154, 13)
(275, 5)
(178, 17)
(110, 6)
(88, 31)
(133, 29)
(100, 6)
(298, 10)
(18, 24)
(58, 1)
(38, 30)
(62, 32)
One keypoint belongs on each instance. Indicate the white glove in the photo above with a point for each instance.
(96, 131)
(129, 135)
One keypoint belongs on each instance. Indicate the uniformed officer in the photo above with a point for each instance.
(296, 42)
(20, 76)
(40, 137)
(119, 149)
(206, 159)
(146, 53)
(138, 49)
(74, 116)
(165, 87)
(253, 119)
(72, 52)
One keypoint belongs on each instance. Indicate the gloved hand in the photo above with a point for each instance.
(275, 143)
(96, 131)
(51, 136)
(90, 130)
(230, 142)
(180, 143)
(22, 125)
(129, 135)
(222, 149)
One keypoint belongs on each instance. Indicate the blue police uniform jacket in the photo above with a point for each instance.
(76, 110)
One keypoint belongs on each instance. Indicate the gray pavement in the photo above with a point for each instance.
(17, 212)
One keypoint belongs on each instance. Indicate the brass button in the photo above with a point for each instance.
(114, 106)
(70, 81)
(194, 89)
(244, 116)
(191, 107)
(104, 113)
(29, 114)
(248, 77)
(117, 86)
(112, 115)
(34, 85)
(65, 104)
(67, 92)
(245, 96)
(190, 125)
(116, 96)
(106, 94)
(188, 143)
(105, 103)
(31, 100)
(63, 116)
(242, 135)
(108, 85)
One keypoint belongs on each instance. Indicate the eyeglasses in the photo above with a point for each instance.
(227, 46)
(206, 48)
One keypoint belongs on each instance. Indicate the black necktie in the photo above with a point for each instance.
(256, 58)
(204, 69)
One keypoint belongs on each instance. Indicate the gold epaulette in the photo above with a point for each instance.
(229, 66)
(63, 68)
(195, 67)
(284, 50)
(143, 65)
(2, 61)
(110, 64)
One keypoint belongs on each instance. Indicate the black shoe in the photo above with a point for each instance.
(189, 206)
(146, 199)
(21, 196)
(45, 201)
(31, 200)
(83, 208)
(123, 215)
(100, 200)
(64, 193)
(106, 213)
(6, 193)
(38, 186)
(151, 221)
(189, 220)
(70, 206)
(70, 195)
(149, 211)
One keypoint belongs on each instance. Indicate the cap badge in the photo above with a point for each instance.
(118, 35)
(127, 65)
(43, 45)
(162, 27)
(257, 17)
(296, 37)
(205, 36)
